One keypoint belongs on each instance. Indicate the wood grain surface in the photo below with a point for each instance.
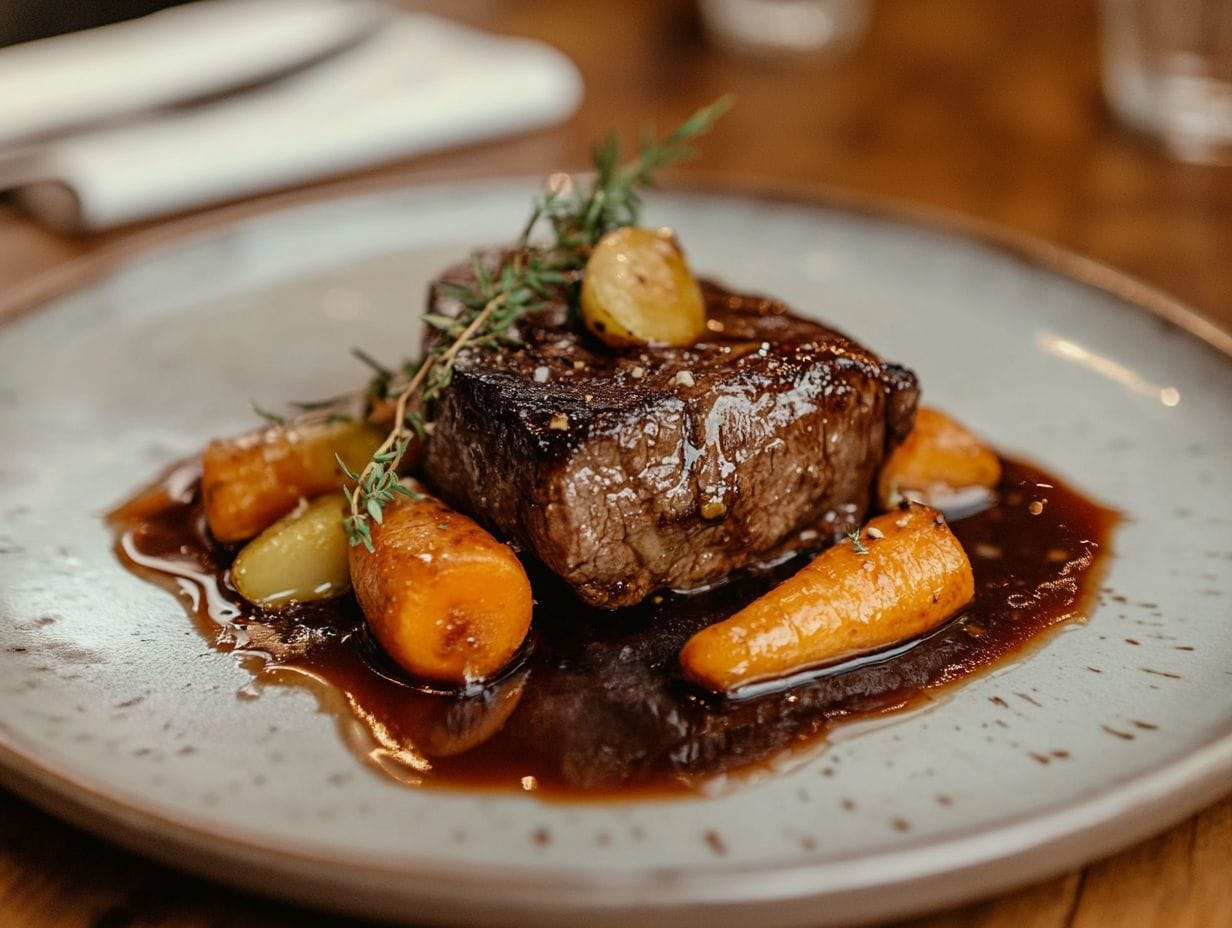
(988, 110)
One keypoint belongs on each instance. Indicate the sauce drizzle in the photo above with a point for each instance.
(596, 705)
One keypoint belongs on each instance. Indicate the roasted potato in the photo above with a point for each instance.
(637, 290)
(301, 557)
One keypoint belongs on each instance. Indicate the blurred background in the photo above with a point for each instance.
(990, 110)
(1102, 128)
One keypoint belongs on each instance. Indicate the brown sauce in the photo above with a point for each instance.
(596, 703)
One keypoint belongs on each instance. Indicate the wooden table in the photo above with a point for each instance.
(986, 109)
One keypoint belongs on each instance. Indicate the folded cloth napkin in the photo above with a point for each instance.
(179, 54)
(417, 83)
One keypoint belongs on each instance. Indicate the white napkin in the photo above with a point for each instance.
(417, 83)
(178, 54)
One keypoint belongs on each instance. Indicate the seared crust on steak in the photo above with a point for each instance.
(630, 471)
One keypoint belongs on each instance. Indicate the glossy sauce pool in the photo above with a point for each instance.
(596, 704)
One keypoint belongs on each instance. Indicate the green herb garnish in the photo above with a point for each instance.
(271, 417)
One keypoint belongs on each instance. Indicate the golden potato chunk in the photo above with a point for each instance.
(300, 558)
(637, 290)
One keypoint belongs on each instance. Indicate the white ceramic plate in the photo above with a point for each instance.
(117, 715)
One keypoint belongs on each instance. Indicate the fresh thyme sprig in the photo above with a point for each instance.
(612, 199)
(523, 281)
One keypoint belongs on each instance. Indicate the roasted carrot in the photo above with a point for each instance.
(938, 458)
(250, 482)
(904, 574)
(446, 600)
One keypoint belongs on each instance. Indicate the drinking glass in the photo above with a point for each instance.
(788, 31)
(1167, 70)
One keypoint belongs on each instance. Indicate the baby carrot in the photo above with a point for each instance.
(446, 600)
(938, 457)
(902, 575)
(250, 482)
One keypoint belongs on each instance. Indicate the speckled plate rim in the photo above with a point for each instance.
(915, 878)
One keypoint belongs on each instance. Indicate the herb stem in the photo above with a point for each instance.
(467, 333)
(397, 441)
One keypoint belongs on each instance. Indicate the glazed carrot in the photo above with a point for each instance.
(446, 600)
(250, 482)
(905, 574)
(938, 457)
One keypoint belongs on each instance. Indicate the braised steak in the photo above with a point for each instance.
(629, 471)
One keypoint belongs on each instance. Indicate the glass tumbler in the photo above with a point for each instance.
(1167, 70)
(787, 31)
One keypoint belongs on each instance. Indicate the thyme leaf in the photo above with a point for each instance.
(271, 417)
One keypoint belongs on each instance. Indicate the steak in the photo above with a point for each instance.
(627, 471)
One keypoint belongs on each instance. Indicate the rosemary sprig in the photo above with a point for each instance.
(523, 282)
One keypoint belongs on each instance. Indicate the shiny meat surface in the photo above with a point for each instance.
(635, 470)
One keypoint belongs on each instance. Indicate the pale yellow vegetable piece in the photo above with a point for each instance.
(938, 459)
(446, 600)
(637, 290)
(301, 557)
(907, 574)
(249, 482)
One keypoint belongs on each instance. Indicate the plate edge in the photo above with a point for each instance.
(1213, 774)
